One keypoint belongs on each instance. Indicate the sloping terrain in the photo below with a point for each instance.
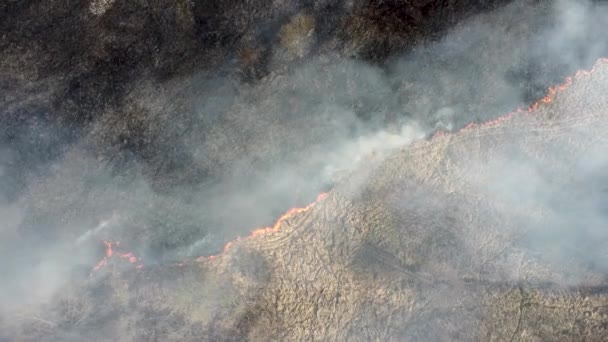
(146, 97)
(146, 118)
(137, 137)
(65, 64)
(436, 242)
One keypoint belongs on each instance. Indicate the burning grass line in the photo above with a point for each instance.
(551, 95)
(110, 250)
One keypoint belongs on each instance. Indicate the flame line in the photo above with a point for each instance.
(552, 93)
(272, 229)
(111, 252)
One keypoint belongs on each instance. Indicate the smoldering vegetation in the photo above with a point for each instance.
(174, 127)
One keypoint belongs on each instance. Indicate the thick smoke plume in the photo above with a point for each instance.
(185, 164)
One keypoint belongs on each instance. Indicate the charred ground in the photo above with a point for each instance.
(179, 124)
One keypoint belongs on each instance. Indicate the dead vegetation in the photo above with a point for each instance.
(359, 267)
(437, 264)
(297, 35)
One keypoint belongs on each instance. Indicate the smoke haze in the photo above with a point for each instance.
(231, 156)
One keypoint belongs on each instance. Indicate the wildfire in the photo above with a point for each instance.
(110, 252)
(552, 93)
(274, 228)
(291, 212)
(550, 97)
(132, 259)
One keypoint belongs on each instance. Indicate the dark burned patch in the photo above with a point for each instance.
(254, 63)
(92, 63)
(381, 29)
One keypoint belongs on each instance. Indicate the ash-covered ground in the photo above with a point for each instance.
(174, 127)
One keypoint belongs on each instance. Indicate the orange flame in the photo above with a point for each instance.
(277, 225)
(132, 259)
(110, 252)
(550, 97)
(291, 212)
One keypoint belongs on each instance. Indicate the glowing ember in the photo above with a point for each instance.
(550, 97)
(229, 244)
(132, 259)
(110, 252)
(261, 231)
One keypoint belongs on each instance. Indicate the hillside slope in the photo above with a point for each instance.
(490, 233)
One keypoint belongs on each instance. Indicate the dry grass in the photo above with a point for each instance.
(296, 35)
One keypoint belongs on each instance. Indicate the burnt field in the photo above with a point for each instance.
(150, 153)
